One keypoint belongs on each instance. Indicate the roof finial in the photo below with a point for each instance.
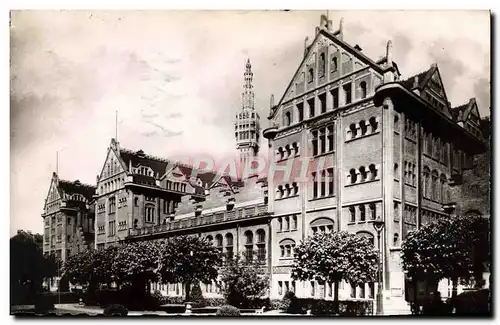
(306, 44)
(272, 101)
(415, 82)
(341, 28)
(388, 53)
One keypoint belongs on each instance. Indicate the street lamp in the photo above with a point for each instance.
(378, 225)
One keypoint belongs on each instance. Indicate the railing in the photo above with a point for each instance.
(209, 219)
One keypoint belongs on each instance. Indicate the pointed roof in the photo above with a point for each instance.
(461, 113)
(418, 81)
(76, 187)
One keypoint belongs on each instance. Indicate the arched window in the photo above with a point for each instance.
(288, 119)
(210, 238)
(334, 64)
(293, 226)
(352, 214)
(322, 64)
(363, 127)
(287, 248)
(229, 246)
(373, 172)
(295, 148)
(279, 192)
(373, 124)
(353, 130)
(373, 211)
(322, 224)
(310, 75)
(367, 235)
(261, 236)
(396, 239)
(281, 153)
(218, 240)
(286, 225)
(362, 213)
(248, 237)
(443, 187)
(427, 174)
(362, 87)
(280, 224)
(136, 201)
(434, 187)
(362, 173)
(353, 175)
(288, 190)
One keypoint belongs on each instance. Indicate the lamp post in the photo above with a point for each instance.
(378, 225)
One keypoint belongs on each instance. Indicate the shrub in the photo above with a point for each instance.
(228, 311)
(476, 302)
(64, 284)
(327, 307)
(197, 296)
(115, 310)
(290, 302)
(215, 302)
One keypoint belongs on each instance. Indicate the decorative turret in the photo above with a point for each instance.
(247, 126)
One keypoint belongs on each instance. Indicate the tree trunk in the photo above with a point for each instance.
(336, 297)
(454, 283)
(187, 286)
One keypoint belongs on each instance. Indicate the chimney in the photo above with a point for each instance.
(271, 103)
(330, 26)
(323, 22)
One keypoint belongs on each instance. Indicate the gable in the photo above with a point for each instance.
(327, 59)
(472, 115)
(112, 165)
(53, 194)
(434, 92)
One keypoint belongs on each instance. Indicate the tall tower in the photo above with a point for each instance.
(247, 126)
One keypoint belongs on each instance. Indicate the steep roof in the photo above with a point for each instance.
(421, 77)
(138, 158)
(458, 113)
(76, 187)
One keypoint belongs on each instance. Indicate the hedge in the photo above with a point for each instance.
(327, 307)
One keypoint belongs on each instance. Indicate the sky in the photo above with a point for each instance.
(176, 78)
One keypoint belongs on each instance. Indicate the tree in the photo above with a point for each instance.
(453, 248)
(333, 257)
(243, 280)
(28, 266)
(188, 260)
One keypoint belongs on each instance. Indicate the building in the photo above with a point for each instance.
(380, 147)
(68, 218)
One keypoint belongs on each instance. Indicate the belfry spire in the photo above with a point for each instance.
(248, 95)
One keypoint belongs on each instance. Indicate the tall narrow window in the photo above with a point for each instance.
(294, 223)
(323, 183)
(295, 189)
(330, 138)
(373, 211)
(334, 64)
(315, 142)
(286, 224)
(363, 89)
(373, 172)
(315, 185)
(373, 124)
(330, 181)
(310, 75)
(335, 97)
(322, 63)
(347, 93)
(352, 214)
(362, 213)
(280, 224)
(396, 171)
(300, 110)
(312, 107)
(322, 100)
(313, 289)
(362, 173)
(288, 118)
(363, 127)
(353, 130)
(322, 140)
(353, 175)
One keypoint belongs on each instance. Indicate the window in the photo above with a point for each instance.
(396, 239)
(362, 213)
(434, 185)
(442, 183)
(396, 171)
(426, 187)
(280, 224)
(362, 290)
(261, 236)
(310, 75)
(300, 110)
(353, 290)
(249, 245)
(315, 142)
(330, 181)
(396, 211)
(280, 287)
(112, 205)
(322, 140)
(150, 211)
(353, 175)
(373, 172)
(352, 214)
(373, 211)
(286, 224)
(136, 201)
(353, 130)
(288, 119)
(334, 64)
(295, 189)
(335, 97)
(330, 138)
(322, 64)
(229, 245)
(363, 127)
(396, 122)
(295, 148)
(313, 289)
(294, 223)
(429, 143)
(288, 151)
(322, 101)
(362, 86)
(311, 107)
(112, 229)
(347, 93)
(362, 173)
(315, 185)
(445, 154)
(261, 252)
(373, 124)
(218, 240)
(323, 183)
(371, 290)
(279, 192)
